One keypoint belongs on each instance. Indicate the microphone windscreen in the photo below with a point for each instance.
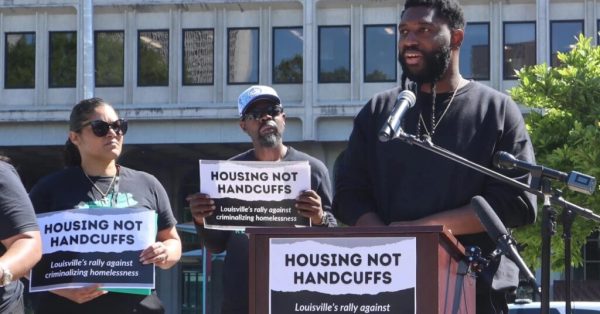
(504, 160)
(409, 96)
(488, 217)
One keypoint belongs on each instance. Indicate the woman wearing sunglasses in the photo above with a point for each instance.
(94, 179)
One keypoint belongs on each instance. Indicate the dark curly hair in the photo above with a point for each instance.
(450, 10)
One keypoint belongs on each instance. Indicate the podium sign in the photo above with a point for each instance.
(358, 270)
(343, 275)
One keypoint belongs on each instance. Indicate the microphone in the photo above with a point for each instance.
(405, 100)
(574, 180)
(497, 231)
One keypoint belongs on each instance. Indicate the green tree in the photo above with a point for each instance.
(376, 76)
(109, 59)
(20, 65)
(339, 75)
(565, 130)
(289, 70)
(63, 59)
(153, 63)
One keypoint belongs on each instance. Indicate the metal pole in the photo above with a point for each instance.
(87, 8)
(204, 279)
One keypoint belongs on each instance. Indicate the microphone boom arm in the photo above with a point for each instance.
(554, 199)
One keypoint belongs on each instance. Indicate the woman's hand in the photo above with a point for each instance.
(156, 253)
(165, 252)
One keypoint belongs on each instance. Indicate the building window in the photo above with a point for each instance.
(19, 60)
(334, 54)
(590, 270)
(519, 47)
(198, 56)
(288, 43)
(109, 55)
(153, 58)
(380, 53)
(475, 52)
(563, 34)
(242, 55)
(598, 32)
(63, 59)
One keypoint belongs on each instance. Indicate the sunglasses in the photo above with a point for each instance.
(100, 128)
(256, 114)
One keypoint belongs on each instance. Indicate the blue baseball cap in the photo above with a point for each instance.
(255, 93)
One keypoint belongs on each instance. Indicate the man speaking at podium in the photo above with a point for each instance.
(393, 183)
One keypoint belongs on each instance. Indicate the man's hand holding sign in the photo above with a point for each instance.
(235, 195)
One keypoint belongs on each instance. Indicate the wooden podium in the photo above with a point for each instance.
(443, 283)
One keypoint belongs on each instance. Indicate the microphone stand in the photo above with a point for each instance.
(548, 229)
(568, 217)
(545, 192)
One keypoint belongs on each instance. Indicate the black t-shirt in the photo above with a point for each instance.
(16, 217)
(69, 189)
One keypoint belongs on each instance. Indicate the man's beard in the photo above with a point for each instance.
(270, 139)
(436, 65)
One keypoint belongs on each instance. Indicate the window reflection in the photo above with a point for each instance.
(334, 54)
(380, 53)
(20, 60)
(475, 52)
(242, 56)
(198, 56)
(63, 59)
(287, 55)
(109, 54)
(563, 35)
(519, 47)
(153, 58)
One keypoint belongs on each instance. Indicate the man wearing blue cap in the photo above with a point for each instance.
(263, 119)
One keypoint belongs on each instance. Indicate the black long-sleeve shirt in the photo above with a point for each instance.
(400, 182)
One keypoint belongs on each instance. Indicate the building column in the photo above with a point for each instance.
(86, 20)
(496, 45)
(590, 23)
(542, 31)
(309, 85)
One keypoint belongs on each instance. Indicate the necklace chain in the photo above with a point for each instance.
(433, 122)
(110, 186)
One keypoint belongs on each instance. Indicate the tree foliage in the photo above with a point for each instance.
(109, 59)
(63, 59)
(289, 70)
(565, 131)
(339, 75)
(20, 65)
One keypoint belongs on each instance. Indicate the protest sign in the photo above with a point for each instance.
(342, 275)
(254, 193)
(95, 246)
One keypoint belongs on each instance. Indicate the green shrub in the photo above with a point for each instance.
(565, 130)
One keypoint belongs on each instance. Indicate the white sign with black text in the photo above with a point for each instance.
(343, 275)
(254, 193)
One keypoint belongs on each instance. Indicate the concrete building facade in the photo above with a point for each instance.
(182, 108)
